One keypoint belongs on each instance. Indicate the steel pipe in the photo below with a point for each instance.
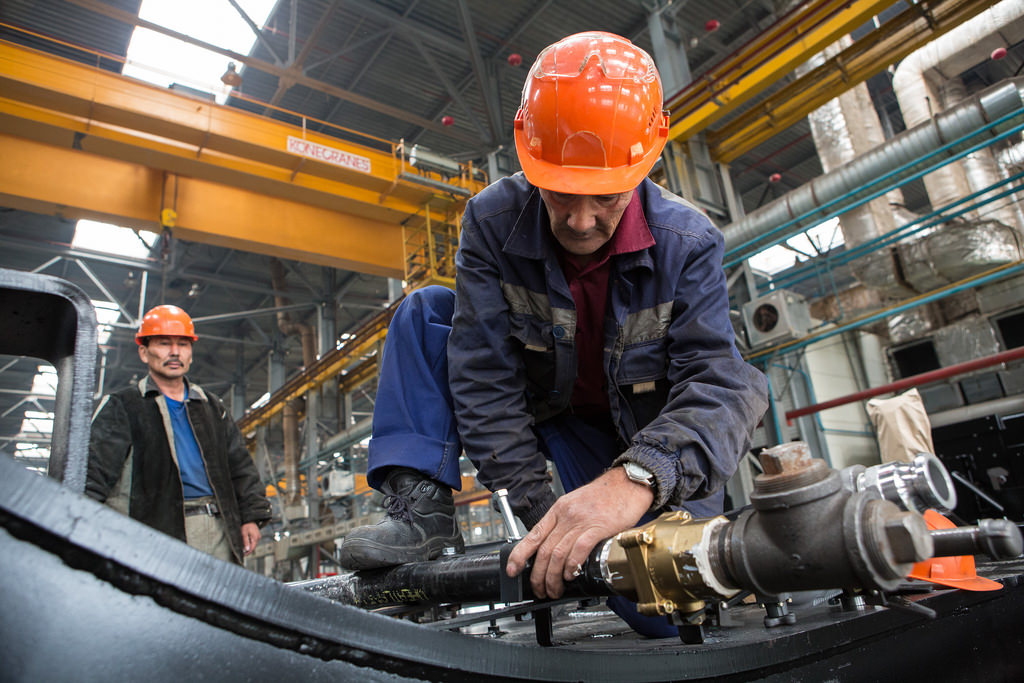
(861, 176)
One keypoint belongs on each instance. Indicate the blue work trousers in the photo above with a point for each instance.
(414, 421)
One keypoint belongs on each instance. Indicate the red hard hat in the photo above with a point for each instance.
(591, 120)
(955, 572)
(166, 321)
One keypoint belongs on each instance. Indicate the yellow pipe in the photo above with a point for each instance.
(74, 184)
(771, 56)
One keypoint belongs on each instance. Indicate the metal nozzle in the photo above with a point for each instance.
(1000, 539)
(915, 486)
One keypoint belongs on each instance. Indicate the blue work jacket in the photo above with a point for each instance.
(683, 401)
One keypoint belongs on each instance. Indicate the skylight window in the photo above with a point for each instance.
(32, 440)
(32, 451)
(37, 423)
(107, 314)
(45, 381)
(162, 60)
(113, 239)
(808, 244)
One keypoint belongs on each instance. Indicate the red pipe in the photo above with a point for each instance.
(915, 380)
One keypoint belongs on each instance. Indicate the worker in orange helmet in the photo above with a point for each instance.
(589, 327)
(167, 453)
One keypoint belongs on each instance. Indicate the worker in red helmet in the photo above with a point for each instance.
(589, 327)
(167, 453)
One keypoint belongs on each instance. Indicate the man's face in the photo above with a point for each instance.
(167, 357)
(583, 223)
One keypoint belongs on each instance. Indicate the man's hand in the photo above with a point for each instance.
(250, 536)
(574, 525)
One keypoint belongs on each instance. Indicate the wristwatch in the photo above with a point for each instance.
(639, 474)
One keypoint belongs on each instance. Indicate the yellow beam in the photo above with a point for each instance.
(92, 101)
(65, 104)
(888, 44)
(363, 346)
(802, 33)
(74, 184)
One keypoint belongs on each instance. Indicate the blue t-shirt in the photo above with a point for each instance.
(190, 463)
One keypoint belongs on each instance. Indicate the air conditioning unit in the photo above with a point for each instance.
(776, 317)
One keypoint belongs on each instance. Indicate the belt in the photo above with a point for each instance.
(204, 509)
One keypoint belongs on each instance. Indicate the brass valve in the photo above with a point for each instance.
(664, 566)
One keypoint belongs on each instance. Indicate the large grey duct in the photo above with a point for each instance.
(851, 179)
(843, 129)
(1010, 162)
(927, 82)
(1013, 156)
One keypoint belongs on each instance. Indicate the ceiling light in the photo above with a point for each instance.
(231, 77)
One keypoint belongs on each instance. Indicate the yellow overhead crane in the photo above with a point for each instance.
(83, 142)
(803, 32)
(799, 35)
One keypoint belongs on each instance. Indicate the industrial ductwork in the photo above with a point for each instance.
(937, 111)
(857, 179)
(843, 129)
(928, 260)
(927, 83)
(1010, 161)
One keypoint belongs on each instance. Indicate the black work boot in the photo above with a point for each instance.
(419, 526)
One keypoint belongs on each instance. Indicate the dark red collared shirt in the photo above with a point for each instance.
(589, 286)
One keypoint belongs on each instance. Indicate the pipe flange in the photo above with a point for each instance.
(915, 486)
(815, 483)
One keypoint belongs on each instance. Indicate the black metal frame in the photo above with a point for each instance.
(49, 318)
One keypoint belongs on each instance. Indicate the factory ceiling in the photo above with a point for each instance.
(442, 74)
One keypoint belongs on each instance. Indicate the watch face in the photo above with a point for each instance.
(638, 474)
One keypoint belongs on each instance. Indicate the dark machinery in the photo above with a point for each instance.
(90, 594)
(809, 528)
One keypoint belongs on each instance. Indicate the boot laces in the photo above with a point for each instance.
(398, 508)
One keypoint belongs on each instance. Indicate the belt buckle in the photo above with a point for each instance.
(204, 509)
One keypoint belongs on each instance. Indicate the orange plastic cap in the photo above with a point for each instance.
(591, 120)
(166, 321)
(955, 572)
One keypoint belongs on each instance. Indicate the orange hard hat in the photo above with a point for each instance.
(955, 572)
(166, 321)
(591, 120)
